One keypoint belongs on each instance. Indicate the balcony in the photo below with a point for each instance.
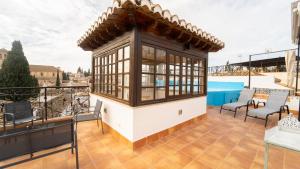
(216, 141)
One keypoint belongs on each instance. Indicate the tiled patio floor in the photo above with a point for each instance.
(218, 142)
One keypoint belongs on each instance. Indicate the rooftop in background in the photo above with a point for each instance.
(126, 14)
(3, 50)
(43, 68)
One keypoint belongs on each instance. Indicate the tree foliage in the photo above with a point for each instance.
(57, 83)
(66, 76)
(15, 73)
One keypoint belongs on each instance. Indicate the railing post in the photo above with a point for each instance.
(249, 82)
(46, 105)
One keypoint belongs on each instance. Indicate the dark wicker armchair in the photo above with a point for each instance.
(18, 113)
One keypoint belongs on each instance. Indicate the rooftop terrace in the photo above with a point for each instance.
(218, 141)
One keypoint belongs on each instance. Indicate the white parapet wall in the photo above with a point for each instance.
(154, 118)
(256, 81)
(135, 123)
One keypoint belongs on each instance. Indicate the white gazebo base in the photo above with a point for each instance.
(138, 124)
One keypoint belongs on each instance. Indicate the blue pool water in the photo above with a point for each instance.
(219, 93)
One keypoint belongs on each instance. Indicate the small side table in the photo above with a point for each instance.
(283, 139)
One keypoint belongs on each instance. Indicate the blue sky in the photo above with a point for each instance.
(49, 29)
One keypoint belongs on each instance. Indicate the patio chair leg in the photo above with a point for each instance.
(288, 110)
(267, 117)
(221, 109)
(102, 126)
(245, 118)
(235, 110)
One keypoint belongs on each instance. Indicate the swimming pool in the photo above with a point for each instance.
(219, 93)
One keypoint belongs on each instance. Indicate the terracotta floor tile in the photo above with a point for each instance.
(136, 163)
(180, 159)
(196, 165)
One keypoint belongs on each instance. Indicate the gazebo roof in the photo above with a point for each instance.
(125, 14)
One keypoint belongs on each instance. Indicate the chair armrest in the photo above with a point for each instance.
(11, 115)
(259, 102)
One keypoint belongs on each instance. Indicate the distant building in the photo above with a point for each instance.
(79, 78)
(46, 75)
(3, 55)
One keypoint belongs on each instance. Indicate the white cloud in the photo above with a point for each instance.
(49, 29)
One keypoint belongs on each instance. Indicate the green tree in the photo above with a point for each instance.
(79, 70)
(57, 83)
(15, 73)
(66, 76)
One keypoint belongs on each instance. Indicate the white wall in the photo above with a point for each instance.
(152, 119)
(136, 123)
(118, 116)
(256, 81)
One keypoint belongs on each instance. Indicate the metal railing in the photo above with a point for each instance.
(51, 101)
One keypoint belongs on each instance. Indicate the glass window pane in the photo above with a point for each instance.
(160, 93)
(113, 80)
(147, 68)
(189, 71)
(184, 70)
(109, 79)
(109, 89)
(148, 60)
(126, 94)
(120, 77)
(147, 80)
(105, 79)
(188, 91)
(147, 94)
(196, 81)
(188, 80)
(161, 61)
(160, 80)
(196, 89)
(120, 92)
(113, 91)
(176, 90)
(171, 69)
(171, 90)
(126, 66)
(109, 59)
(120, 54)
(177, 80)
(148, 53)
(113, 58)
(184, 61)
(177, 71)
(171, 80)
(113, 68)
(120, 67)
(183, 89)
(126, 52)
(126, 80)
(161, 68)
(196, 72)
(183, 82)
